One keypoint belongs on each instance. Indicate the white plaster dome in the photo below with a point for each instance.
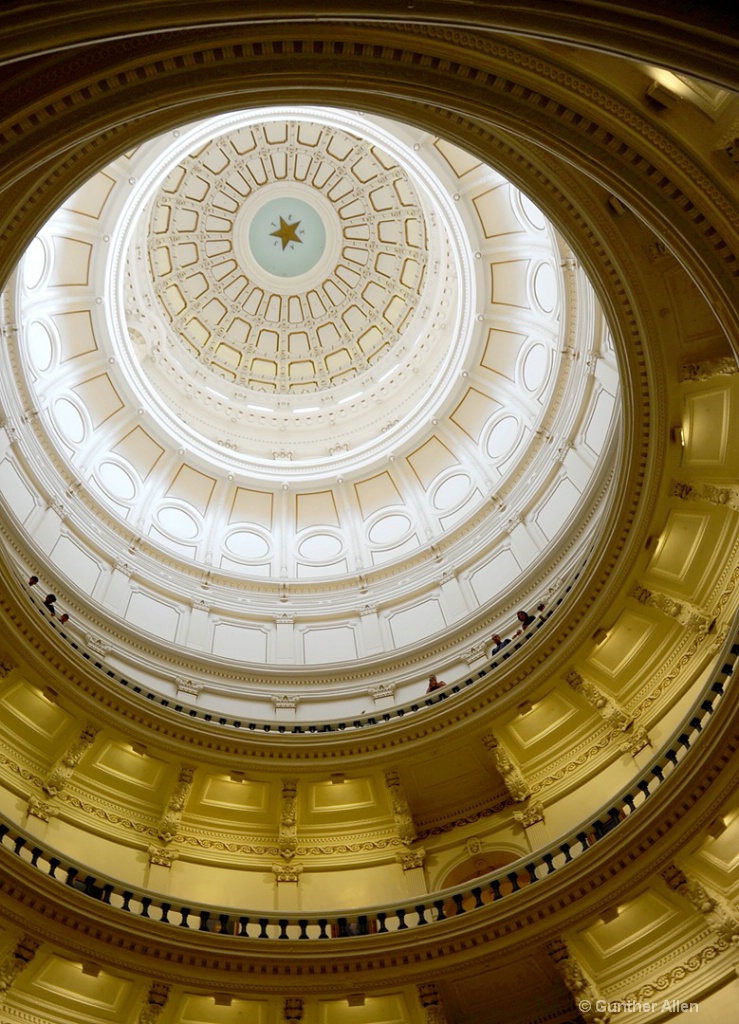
(311, 387)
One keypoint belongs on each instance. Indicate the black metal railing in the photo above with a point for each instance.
(397, 917)
(301, 728)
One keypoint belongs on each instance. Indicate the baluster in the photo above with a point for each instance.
(204, 916)
(145, 904)
(533, 877)
(457, 897)
(477, 893)
(184, 914)
(439, 904)
(401, 918)
(303, 924)
(53, 865)
(283, 928)
(421, 911)
(382, 918)
(513, 879)
(127, 897)
(263, 933)
(35, 854)
(549, 861)
(495, 886)
(165, 908)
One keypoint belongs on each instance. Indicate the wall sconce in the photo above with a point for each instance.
(337, 779)
(600, 635)
(221, 999)
(732, 151)
(236, 776)
(139, 748)
(661, 96)
(716, 828)
(525, 707)
(355, 999)
(91, 970)
(617, 206)
(677, 436)
(609, 914)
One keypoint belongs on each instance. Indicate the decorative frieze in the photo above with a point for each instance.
(511, 774)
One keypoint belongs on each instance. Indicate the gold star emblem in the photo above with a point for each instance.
(287, 233)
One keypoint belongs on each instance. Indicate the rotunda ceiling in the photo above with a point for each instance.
(308, 372)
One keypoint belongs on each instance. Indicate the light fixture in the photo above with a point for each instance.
(338, 778)
(677, 435)
(616, 205)
(609, 914)
(236, 776)
(525, 707)
(600, 635)
(222, 999)
(355, 999)
(90, 969)
(661, 96)
(139, 748)
(716, 828)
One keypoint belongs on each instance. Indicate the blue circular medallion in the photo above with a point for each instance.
(287, 237)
